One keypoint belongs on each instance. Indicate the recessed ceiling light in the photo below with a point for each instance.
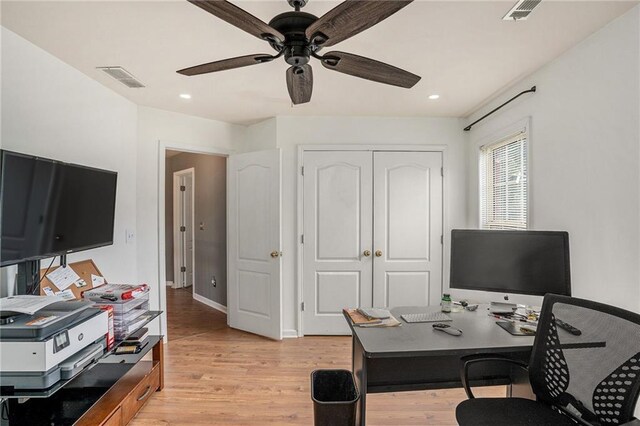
(185, 96)
(434, 97)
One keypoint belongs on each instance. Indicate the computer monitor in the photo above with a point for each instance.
(520, 262)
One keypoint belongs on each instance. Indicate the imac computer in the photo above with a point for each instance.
(518, 262)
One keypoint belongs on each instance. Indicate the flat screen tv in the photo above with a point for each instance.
(51, 208)
(521, 262)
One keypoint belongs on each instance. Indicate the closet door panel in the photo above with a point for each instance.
(407, 228)
(337, 231)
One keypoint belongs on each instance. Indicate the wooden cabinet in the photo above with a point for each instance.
(126, 397)
(115, 419)
(140, 394)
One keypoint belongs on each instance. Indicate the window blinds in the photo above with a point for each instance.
(503, 178)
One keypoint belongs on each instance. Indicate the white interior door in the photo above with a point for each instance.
(254, 242)
(183, 182)
(407, 228)
(188, 207)
(337, 231)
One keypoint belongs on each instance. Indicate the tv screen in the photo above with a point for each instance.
(523, 262)
(50, 208)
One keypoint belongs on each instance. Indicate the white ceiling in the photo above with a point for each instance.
(463, 51)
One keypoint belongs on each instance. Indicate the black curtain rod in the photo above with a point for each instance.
(532, 90)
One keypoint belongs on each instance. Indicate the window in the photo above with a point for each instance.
(503, 183)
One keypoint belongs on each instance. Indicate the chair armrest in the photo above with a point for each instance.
(467, 361)
(633, 422)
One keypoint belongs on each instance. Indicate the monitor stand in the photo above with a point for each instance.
(28, 278)
(504, 305)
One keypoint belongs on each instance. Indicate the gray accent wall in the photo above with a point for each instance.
(210, 199)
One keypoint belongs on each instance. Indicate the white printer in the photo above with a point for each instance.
(37, 350)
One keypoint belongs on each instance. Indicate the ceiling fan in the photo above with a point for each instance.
(298, 36)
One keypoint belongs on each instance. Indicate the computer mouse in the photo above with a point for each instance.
(447, 329)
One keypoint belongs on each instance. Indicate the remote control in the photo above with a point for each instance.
(568, 327)
(447, 329)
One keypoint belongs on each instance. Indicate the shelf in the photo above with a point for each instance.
(131, 359)
(150, 316)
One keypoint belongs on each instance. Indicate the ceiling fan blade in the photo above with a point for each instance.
(369, 69)
(238, 17)
(227, 64)
(300, 83)
(350, 18)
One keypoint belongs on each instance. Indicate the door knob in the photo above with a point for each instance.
(275, 253)
(378, 253)
(366, 253)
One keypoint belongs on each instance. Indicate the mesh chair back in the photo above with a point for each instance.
(593, 373)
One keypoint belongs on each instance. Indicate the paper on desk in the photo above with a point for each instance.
(26, 304)
(387, 322)
(63, 277)
(97, 280)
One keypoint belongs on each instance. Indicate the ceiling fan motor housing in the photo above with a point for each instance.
(293, 25)
(297, 4)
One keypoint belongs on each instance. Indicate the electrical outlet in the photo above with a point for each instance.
(213, 281)
(202, 226)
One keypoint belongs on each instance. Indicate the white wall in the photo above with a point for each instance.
(292, 131)
(180, 132)
(584, 157)
(260, 136)
(52, 110)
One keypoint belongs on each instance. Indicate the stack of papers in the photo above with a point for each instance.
(26, 304)
(360, 320)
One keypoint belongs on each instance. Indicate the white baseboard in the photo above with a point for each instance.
(290, 334)
(169, 283)
(215, 305)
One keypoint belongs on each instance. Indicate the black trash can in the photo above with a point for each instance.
(334, 397)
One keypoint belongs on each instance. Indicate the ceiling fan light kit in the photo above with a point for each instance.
(299, 36)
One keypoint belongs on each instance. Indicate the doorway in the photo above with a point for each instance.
(195, 237)
(183, 232)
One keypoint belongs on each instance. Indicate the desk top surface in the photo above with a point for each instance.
(480, 335)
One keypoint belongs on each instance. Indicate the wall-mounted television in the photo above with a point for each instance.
(50, 208)
(521, 262)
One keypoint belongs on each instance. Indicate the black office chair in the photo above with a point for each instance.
(588, 377)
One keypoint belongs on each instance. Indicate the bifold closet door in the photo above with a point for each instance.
(337, 237)
(407, 216)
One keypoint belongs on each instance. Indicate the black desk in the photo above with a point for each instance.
(415, 357)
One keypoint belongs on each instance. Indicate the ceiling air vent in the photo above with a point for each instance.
(123, 76)
(521, 10)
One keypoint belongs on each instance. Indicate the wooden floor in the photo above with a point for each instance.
(215, 375)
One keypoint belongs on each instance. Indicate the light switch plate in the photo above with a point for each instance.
(129, 236)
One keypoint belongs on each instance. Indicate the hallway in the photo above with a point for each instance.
(187, 317)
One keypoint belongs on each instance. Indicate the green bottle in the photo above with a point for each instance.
(445, 304)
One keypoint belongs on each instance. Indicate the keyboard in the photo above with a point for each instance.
(426, 317)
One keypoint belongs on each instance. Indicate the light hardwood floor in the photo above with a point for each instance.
(215, 375)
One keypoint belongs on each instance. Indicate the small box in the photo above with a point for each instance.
(120, 307)
(111, 333)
